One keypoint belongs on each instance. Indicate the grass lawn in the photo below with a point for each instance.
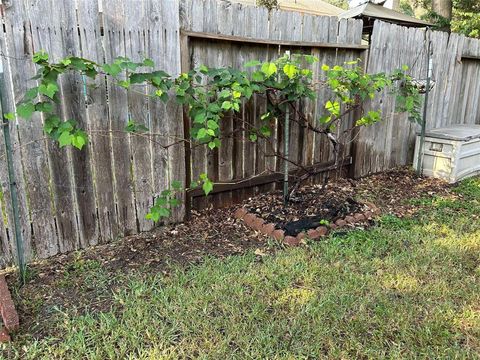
(406, 288)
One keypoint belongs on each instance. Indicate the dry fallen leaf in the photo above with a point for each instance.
(259, 252)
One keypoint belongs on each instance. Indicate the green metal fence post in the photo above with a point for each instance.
(425, 105)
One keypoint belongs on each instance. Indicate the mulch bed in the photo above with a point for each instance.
(213, 232)
(309, 206)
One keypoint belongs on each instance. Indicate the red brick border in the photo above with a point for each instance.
(7, 309)
(258, 224)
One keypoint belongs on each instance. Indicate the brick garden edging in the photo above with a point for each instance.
(7, 309)
(258, 224)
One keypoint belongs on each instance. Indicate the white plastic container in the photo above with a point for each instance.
(451, 153)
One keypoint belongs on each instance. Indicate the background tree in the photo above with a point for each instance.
(339, 3)
(443, 8)
(460, 16)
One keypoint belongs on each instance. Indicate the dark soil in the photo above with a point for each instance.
(310, 207)
(65, 281)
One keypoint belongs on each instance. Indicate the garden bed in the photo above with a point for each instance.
(311, 207)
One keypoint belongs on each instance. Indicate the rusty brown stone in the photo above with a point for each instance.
(240, 213)
(313, 234)
(368, 214)
(258, 224)
(268, 229)
(359, 217)
(333, 226)
(278, 234)
(350, 219)
(340, 223)
(322, 230)
(369, 204)
(301, 236)
(291, 241)
(7, 308)
(373, 208)
(249, 219)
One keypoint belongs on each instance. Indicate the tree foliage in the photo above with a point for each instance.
(208, 94)
(465, 17)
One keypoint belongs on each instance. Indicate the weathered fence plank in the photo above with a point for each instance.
(99, 222)
(114, 46)
(6, 250)
(5, 243)
(47, 36)
(157, 49)
(74, 91)
(171, 29)
(136, 24)
(37, 217)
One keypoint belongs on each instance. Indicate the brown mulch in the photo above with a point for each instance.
(62, 282)
(392, 190)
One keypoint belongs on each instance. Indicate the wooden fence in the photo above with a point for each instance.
(455, 98)
(72, 199)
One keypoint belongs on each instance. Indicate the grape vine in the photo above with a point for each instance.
(208, 94)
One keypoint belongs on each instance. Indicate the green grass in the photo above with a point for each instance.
(408, 288)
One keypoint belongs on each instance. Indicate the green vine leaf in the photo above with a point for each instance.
(9, 116)
(202, 133)
(31, 94)
(113, 69)
(207, 186)
(51, 124)
(79, 139)
(177, 185)
(40, 57)
(133, 127)
(65, 139)
(124, 83)
(269, 69)
(227, 105)
(252, 63)
(48, 89)
(45, 107)
(212, 125)
(333, 107)
(148, 62)
(25, 110)
(290, 70)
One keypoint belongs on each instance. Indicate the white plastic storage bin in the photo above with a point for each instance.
(451, 153)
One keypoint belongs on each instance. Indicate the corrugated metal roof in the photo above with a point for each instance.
(380, 12)
(314, 7)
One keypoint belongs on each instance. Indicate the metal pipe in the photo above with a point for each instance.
(286, 131)
(425, 105)
(12, 182)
